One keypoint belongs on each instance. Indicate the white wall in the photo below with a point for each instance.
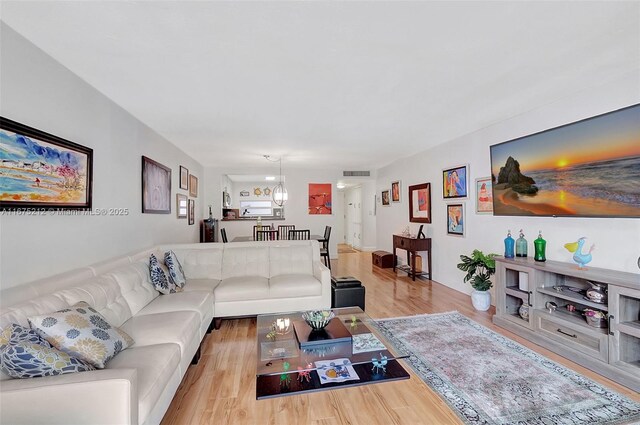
(617, 240)
(37, 91)
(297, 181)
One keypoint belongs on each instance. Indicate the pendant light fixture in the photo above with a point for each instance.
(280, 195)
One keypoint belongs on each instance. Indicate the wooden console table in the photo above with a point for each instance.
(412, 246)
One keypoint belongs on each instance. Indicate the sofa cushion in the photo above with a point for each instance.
(178, 327)
(107, 299)
(82, 332)
(176, 274)
(295, 259)
(135, 285)
(198, 301)
(155, 365)
(294, 285)
(240, 261)
(242, 288)
(207, 285)
(159, 278)
(15, 333)
(201, 263)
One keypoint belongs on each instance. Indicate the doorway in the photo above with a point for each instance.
(353, 217)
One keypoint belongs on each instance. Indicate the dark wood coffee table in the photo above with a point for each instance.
(284, 368)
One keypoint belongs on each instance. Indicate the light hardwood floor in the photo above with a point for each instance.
(221, 388)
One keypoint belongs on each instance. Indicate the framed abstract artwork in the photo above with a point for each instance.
(42, 171)
(156, 187)
(184, 178)
(320, 198)
(192, 211)
(455, 219)
(484, 196)
(395, 191)
(182, 205)
(420, 203)
(385, 198)
(455, 182)
(193, 186)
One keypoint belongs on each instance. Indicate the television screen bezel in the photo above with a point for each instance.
(494, 182)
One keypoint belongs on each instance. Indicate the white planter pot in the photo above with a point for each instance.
(481, 300)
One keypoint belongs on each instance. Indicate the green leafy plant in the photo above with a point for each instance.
(479, 268)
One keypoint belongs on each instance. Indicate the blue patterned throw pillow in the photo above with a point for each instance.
(159, 277)
(176, 274)
(24, 354)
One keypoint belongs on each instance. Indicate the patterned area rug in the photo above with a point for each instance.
(489, 379)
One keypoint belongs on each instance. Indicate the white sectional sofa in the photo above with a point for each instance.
(137, 386)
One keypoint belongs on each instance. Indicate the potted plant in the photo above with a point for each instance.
(479, 268)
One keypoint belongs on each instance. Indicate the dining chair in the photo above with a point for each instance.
(324, 250)
(266, 235)
(264, 227)
(223, 234)
(299, 235)
(283, 230)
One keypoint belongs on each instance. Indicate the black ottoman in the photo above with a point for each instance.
(347, 292)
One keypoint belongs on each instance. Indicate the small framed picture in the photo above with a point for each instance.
(455, 182)
(193, 186)
(420, 203)
(385, 198)
(184, 178)
(455, 219)
(395, 191)
(182, 205)
(484, 196)
(156, 187)
(192, 211)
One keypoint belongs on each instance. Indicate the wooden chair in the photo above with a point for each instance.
(223, 234)
(266, 235)
(283, 230)
(299, 235)
(324, 250)
(255, 229)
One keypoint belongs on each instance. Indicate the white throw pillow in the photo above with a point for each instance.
(82, 332)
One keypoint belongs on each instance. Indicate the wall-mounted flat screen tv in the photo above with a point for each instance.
(589, 168)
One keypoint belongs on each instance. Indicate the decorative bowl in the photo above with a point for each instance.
(318, 319)
(596, 322)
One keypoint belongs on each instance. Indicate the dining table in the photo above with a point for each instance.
(318, 238)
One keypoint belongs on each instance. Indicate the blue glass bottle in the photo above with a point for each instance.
(509, 244)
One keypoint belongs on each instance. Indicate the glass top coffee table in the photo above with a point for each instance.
(292, 358)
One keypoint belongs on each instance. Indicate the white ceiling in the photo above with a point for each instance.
(348, 85)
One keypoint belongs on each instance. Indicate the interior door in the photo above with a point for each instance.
(357, 218)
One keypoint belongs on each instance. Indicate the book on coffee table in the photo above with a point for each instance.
(333, 333)
(338, 370)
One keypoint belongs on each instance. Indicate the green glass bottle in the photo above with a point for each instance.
(521, 246)
(539, 246)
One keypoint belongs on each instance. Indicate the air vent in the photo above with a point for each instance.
(356, 173)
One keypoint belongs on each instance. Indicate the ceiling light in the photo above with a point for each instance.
(280, 196)
(270, 178)
(341, 185)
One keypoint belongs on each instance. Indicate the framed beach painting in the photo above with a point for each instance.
(184, 178)
(156, 187)
(455, 219)
(193, 186)
(484, 196)
(320, 198)
(41, 171)
(395, 191)
(455, 182)
(182, 205)
(589, 168)
(385, 198)
(420, 203)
